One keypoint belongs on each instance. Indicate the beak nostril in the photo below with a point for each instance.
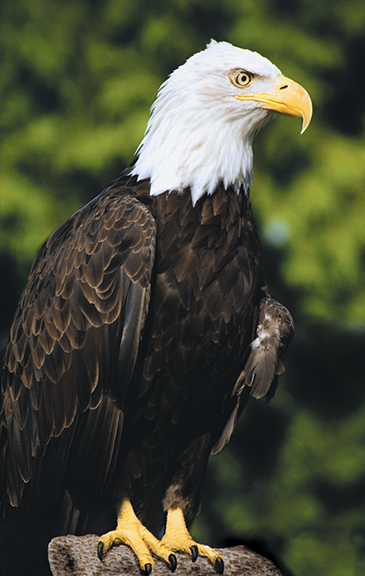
(284, 87)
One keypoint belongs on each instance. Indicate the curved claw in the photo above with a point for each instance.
(147, 569)
(219, 564)
(173, 562)
(194, 553)
(100, 550)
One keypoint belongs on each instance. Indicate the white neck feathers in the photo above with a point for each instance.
(199, 134)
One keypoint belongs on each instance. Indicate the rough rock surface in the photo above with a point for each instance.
(76, 556)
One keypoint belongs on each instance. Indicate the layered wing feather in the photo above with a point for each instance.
(76, 332)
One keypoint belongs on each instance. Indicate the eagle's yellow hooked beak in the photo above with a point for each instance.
(288, 97)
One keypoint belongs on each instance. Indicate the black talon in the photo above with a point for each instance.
(194, 553)
(219, 564)
(100, 550)
(147, 569)
(173, 562)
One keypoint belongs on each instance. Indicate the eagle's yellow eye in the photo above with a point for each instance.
(242, 78)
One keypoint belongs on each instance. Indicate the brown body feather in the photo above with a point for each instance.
(124, 356)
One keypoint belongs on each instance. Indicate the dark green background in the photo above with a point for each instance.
(77, 79)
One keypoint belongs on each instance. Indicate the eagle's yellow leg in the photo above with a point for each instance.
(130, 531)
(177, 538)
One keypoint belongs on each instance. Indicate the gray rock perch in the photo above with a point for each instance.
(76, 556)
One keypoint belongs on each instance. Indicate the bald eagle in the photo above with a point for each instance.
(144, 327)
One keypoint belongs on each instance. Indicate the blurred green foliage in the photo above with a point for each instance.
(77, 80)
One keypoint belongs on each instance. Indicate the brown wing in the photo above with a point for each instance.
(75, 337)
(274, 332)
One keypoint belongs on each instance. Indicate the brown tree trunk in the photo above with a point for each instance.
(76, 556)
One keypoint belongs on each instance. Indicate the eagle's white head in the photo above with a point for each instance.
(205, 117)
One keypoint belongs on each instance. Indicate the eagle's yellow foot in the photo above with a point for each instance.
(177, 538)
(130, 531)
